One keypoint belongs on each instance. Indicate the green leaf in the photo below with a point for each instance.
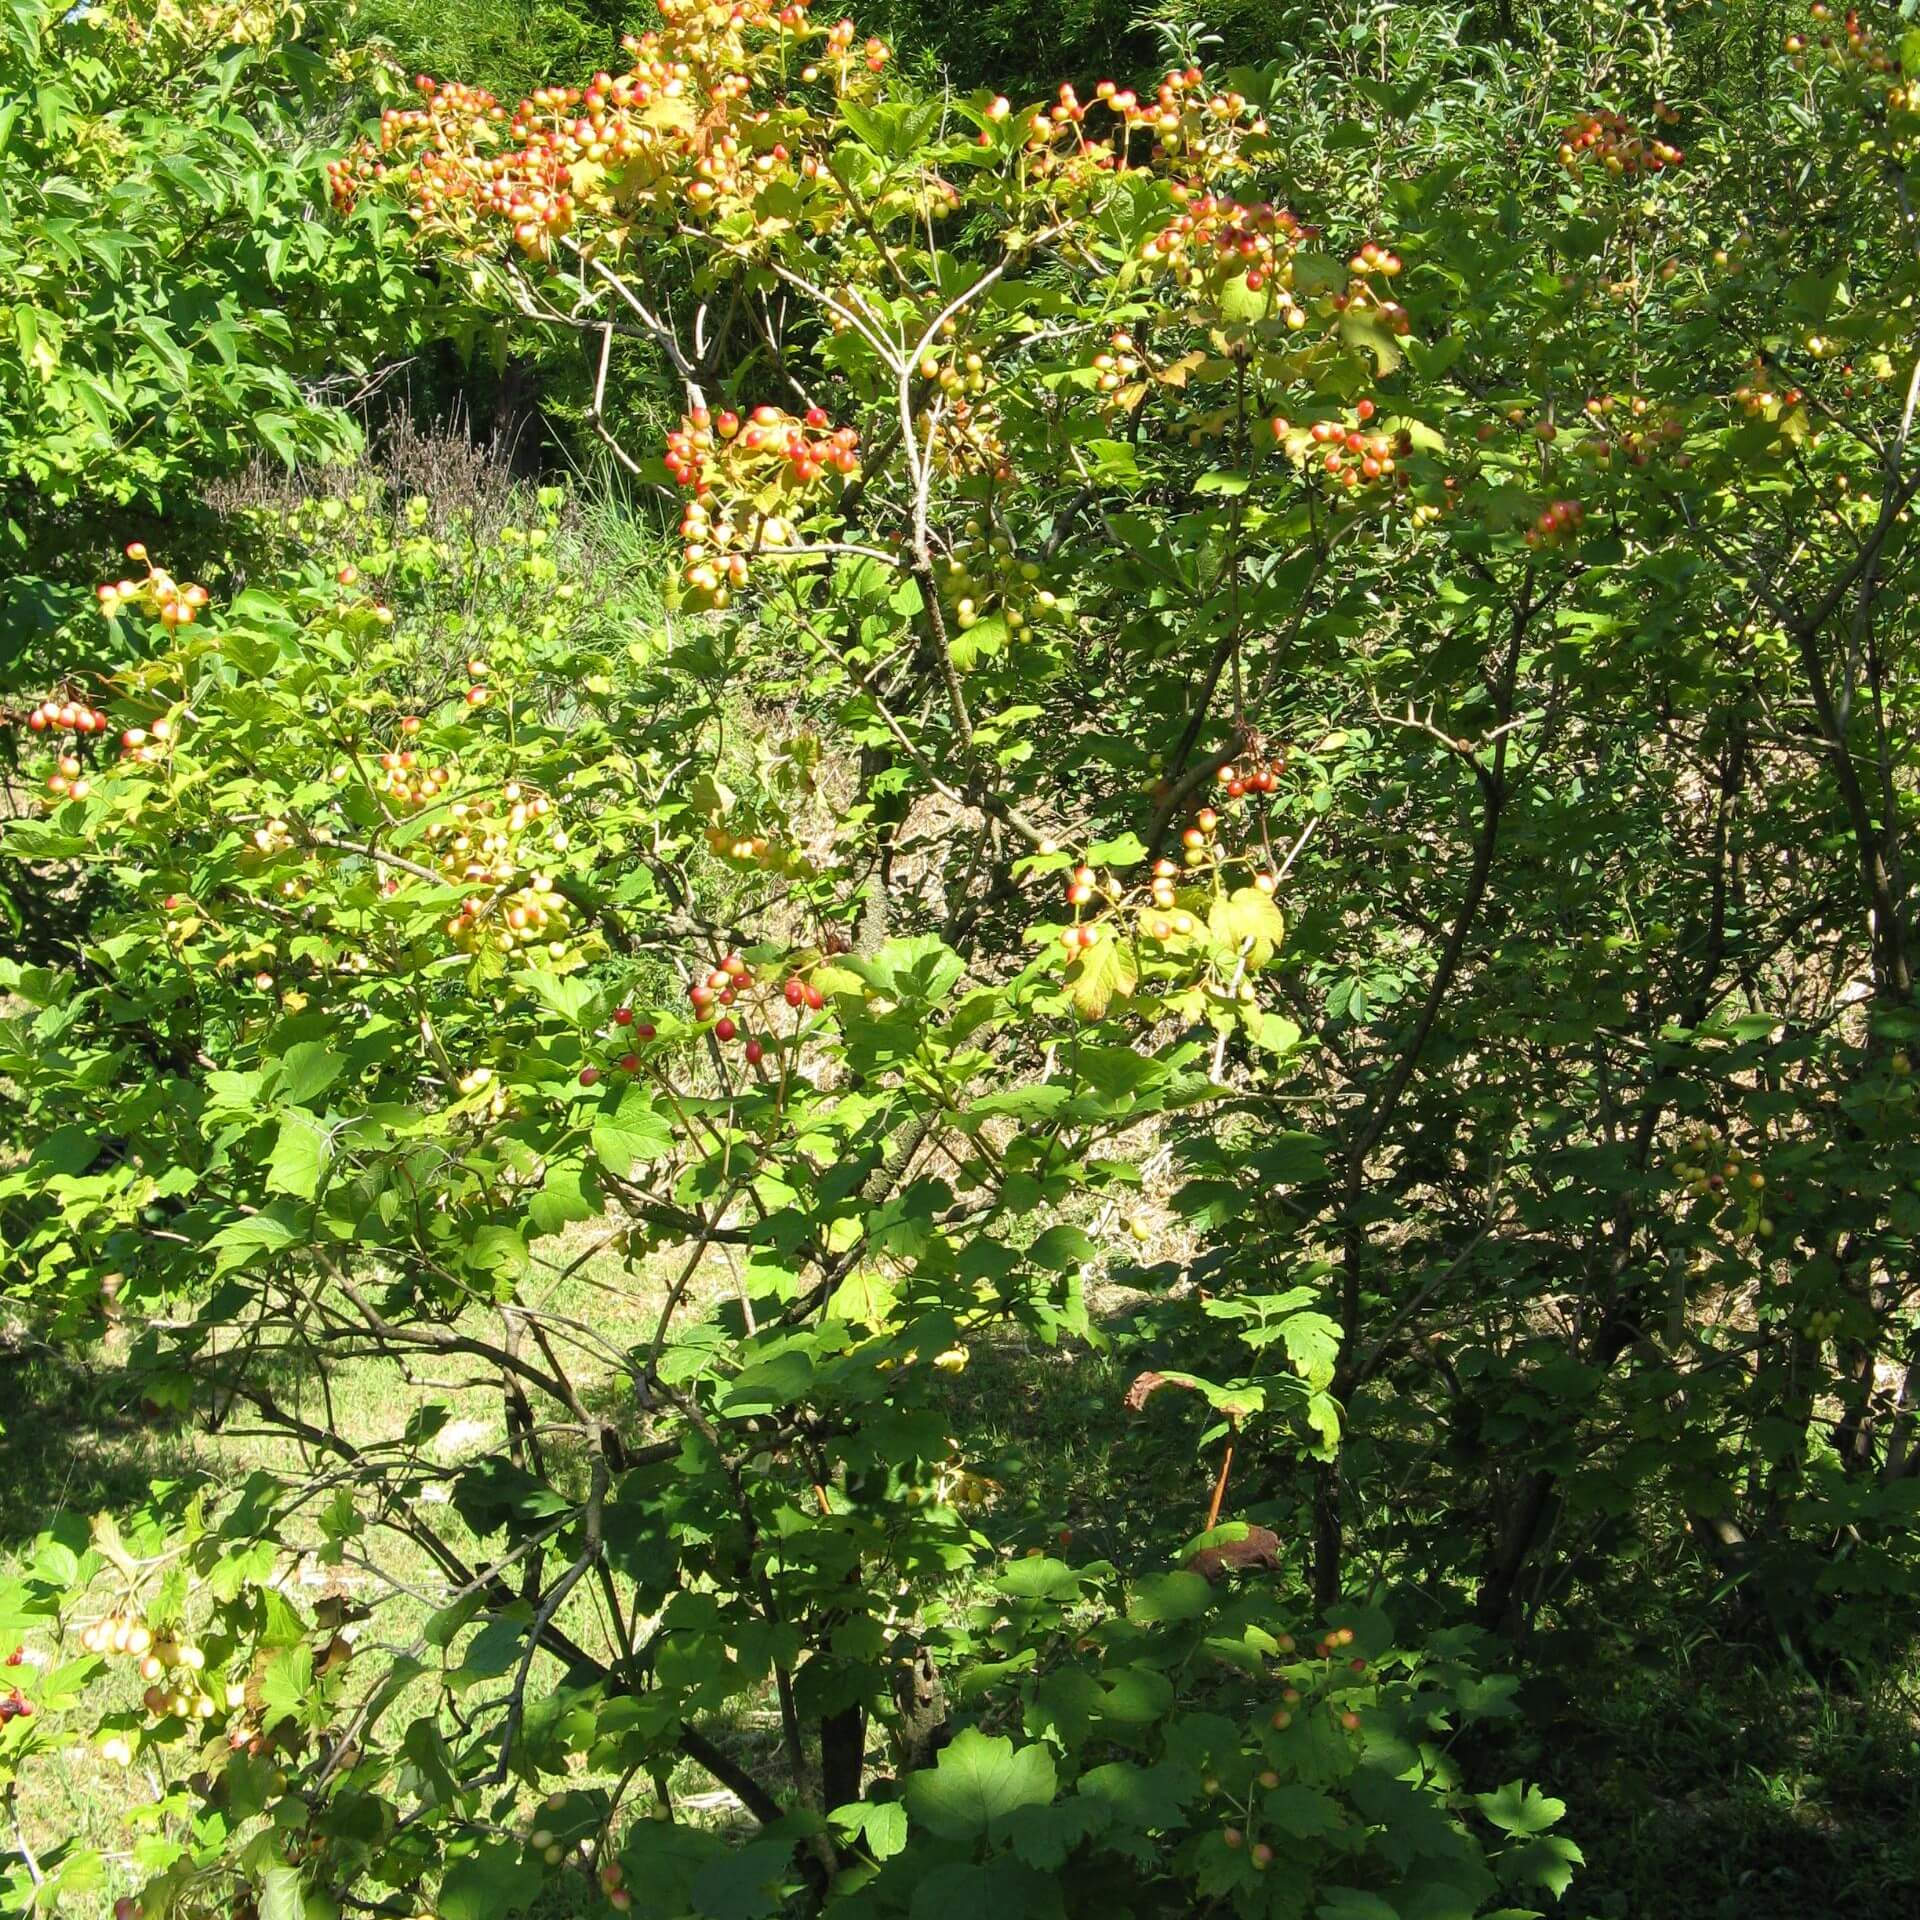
(498, 1250)
(1366, 332)
(637, 1133)
(1125, 850)
(307, 1070)
(1546, 1860)
(746, 1884)
(1274, 1032)
(270, 1231)
(1000, 1890)
(569, 1193)
(284, 1684)
(880, 1824)
(1312, 1342)
(1152, 1799)
(1061, 1247)
(1520, 1809)
(1303, 1813)
(495, 1880)
(977, 1783)
(1351, 1903)
(1037, 1577)
(302, 1151)
(281, 1895)
(567, 994)
(1164, 1597)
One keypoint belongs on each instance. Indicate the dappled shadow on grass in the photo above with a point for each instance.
(80, 1441)
(1722, 1788)
(1076, 1474)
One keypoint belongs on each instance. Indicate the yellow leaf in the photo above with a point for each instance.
(1102, 973)
(1248, 921)
(865, 1299)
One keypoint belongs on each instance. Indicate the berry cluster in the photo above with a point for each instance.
(1197, 840)
(1256, 773)
(1619, 147)
(530, 919)
(954, 1483)
(1363, 297)
(737, 471)
(1251, 1777)
(1711, 1169)
(1188, 123)
(14, 1704)
(143, 744)
(1557, 524)
(68, 780)
(1353, 453)
(552, 1848)
(666, 133)
(1220, 251)
(1373, 258)
(482, 843)
(159, 594)
(1766, 403)
(1170, 917)
(1203, 125)
(733, 983)
(479, 842)
(984, 575)
(1116, 369)
(754, 848)
(1858, 46)
(405, 781)
(67, 716)
(1082, 884)
(1637, 437)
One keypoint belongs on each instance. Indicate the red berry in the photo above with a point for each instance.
(815, 998)
(754, 1051)
(629, 1063)
(588, 1076)
(623, 1017)
(644, 1031)
(724, 1029)
(795, 992)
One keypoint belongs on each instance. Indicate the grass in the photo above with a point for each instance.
(1738, 1792)
(81, 1441)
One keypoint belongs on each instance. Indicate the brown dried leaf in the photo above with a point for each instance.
(1259, 1550)
(1144, 1387)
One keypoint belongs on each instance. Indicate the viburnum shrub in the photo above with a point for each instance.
(1247, 679)
(400, 986)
